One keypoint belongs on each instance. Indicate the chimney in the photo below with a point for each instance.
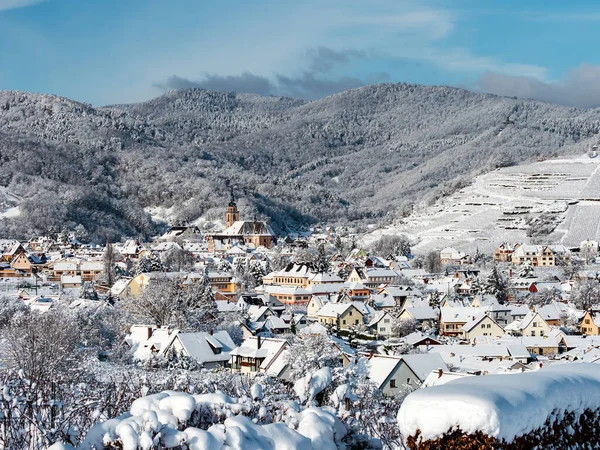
(258, 342)
(440, 372)
(211, 332)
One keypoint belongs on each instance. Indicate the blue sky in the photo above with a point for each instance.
(120, 51)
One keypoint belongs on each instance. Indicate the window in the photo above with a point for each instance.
(587, 321)
(386, 320)
(534, 324)
(356, 322)
(489, 325)
(541, 332)
(483, 325)
(392, 383)
(533, 333)
(344, 321)
(408, 381)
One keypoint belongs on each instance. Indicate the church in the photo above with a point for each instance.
(256, 233)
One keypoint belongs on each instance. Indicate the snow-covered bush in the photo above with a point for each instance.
(553, 408)
(176, 419)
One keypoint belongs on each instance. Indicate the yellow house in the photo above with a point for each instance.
(344, 314)
(482, 325)
(22, 263)
(590, 324)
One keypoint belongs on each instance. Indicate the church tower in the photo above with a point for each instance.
(232, 214)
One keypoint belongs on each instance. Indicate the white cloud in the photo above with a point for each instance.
(461, 59)
(14, 4)
(580, 87)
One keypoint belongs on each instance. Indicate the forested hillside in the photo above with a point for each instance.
(363, 155)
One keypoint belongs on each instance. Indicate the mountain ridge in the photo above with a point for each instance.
(364, 155)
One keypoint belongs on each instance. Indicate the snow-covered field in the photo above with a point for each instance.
(495, 208)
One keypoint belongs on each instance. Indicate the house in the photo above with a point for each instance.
(258, 354)
(452, 319)
(590, 324)
(553, 313)
(299, 320)
(149, 340)
(342, 315)
(356, 291)
(315, 304)
(396, 374)
(439, 377)
(503, 253)
(500, 313)
(22, 263)
(426, 316)
(372, 277)
(260, 299)
(543, 345)
(293, 274)
(182, 233)
(482, 325)
(289, 295)
(531, 325)
(222, 282)
(276, 325)
(536, 255)
(131, 248)
(400, 294)
(211, 350)
(452, 256)
(382, 324)
(70, 281)
(418, 339)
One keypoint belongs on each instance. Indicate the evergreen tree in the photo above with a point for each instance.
(143, 265)
(322, 261)
(435, 299)
(497, 285)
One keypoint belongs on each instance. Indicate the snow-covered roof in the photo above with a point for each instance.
(423, 363)
(334, 309)
(324, 277)
(70, 279)
(459, 314)
(381, 367)
(437, 379)
(204, 347)
(246, 228)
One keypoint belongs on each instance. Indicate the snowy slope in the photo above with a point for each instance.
(497, 206)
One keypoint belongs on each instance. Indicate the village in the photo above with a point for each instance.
(418, 321)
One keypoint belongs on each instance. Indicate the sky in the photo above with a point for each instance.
(122, 51)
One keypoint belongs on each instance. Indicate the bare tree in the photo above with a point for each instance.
(109, 275)
(586, 294)
(42, 346)
(168, 301)
(433, 263)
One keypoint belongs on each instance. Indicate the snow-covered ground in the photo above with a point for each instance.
(497, 206)
(9, 204)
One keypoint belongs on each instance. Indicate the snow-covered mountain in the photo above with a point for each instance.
(365, 155)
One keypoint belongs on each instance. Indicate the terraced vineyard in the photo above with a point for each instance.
(501, 206)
